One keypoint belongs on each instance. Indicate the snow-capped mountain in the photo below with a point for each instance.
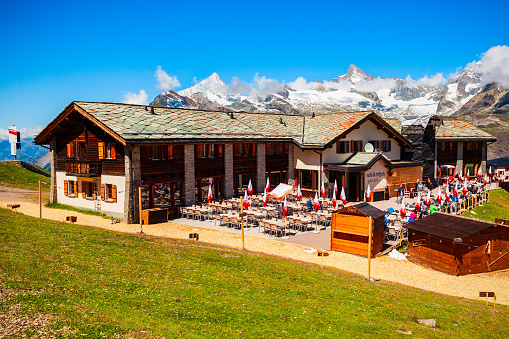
(355, 90)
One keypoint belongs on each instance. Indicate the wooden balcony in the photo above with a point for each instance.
(83, 168)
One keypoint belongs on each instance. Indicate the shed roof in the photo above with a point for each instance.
(137, 123)
(448, 226)
(502, 162)
(367, 209)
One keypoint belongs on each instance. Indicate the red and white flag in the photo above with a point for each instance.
(285, 208)
(299, 193)
(250, 188)
(334, 194)
(322, 191)
(267, 186)
(447, 194)
(246, 201)
(479, 174)
(486, 179)
(209, 196)
(343, 196)
(468, 174)
(489, 172)
(428, 199)
(464, 187)
(264, 199)
(368, 194)
(402, 210)
(316, 203)
(439, 196)
(211, 181)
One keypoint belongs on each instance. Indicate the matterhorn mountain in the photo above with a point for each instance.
(353, 91)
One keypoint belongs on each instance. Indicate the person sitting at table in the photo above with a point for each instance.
(412, 217)
(433, 209)
(309, 204)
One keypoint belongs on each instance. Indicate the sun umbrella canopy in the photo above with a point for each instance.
(280, 191)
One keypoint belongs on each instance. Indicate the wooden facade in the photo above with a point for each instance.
(458, 245)
(350, 229)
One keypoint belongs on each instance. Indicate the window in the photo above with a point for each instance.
(209, 151)
(276, 148)
(386, 146)
(109, 192)
(82, 151)
(71, 188)
(89, 190)
(342, 147)
(309, 179)
(244, 150)
(106, 150)
(376, 145)
(356, 146)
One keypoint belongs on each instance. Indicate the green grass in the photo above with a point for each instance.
(12, 175)
(57, 205)
(497, 207)
(100, 283)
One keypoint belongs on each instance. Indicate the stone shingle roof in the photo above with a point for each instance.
(361, 158)
(461, 130)
(136, 123)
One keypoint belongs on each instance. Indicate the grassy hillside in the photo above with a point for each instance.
(12, 175)
(497, 207)
(92, 283)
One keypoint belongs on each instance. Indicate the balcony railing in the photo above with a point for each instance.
(83, 168)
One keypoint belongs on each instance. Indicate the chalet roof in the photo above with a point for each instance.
(452, 130)
(448, 226)
(136, 123)
(362, 161)
(367, 209)
(461, 130)
(502, 162)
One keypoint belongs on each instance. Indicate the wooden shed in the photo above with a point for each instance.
(458, 245)
(350, 229)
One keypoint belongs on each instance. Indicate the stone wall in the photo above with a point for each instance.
(189, 175)
(132, 184)
(228, 171)
(261, 180)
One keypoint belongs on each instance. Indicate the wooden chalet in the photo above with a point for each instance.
(350, 229)
(457, 245)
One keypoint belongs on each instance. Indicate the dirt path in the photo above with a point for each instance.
(385, 268)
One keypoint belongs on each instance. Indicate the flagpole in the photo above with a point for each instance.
(242, 220)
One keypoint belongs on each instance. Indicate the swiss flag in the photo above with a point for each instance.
(334, 194)
(267, 186)
(343, 196)
(368, 194)
(209, 196)
(468, 175)
(299, 193)
(464, 187)
(316, 203)
(285, 208)
(447, 194)
(479, 174)
(246, 201)
(322, 191)
(402, 211)
(250, 188)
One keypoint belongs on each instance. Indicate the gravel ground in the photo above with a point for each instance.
(384, 268)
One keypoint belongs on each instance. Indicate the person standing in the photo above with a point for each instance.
(401, 193)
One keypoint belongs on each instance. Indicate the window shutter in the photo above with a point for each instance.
(236, 149)
(102, 191)
(198, 151)
(65, 188)
(389, 145)
(100, 148)
(220, 151)
(83, 189)
(267, 149)
(113, 153)
(286, 148)
(253, 150)
(68, 150)
(347, 147)
(75, 188)
(338, 148)
(170, 152)
(114, 193)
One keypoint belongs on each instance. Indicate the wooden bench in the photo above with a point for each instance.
(14, 207)
(71, 218)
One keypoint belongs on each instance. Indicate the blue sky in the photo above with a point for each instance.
(56, 52)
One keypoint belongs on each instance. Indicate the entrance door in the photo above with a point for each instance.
(352, 186)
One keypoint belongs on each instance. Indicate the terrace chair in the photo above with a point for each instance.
(218, 217)
(291, 222)
(199, 215)
(183, 212)
(235, 222)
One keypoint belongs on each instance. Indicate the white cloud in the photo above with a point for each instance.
(238, 87)
(425, 81)
(165, 82)
(262, 87)
(375, 85)
(494, 66)
(26, 132)
(133, 98)
(302, 84)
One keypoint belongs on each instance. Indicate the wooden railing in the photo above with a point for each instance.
(83, 168)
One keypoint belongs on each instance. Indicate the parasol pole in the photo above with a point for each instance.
(242, 220)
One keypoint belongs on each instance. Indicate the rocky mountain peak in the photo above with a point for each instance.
(354, 74)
